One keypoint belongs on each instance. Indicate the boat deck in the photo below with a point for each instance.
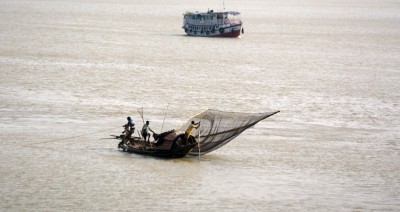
(138, 143)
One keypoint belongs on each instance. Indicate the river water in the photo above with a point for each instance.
(72, 71)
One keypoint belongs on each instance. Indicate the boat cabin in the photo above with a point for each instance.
(212, 18)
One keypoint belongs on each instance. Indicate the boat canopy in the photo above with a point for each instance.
(217, 128)
(233, 13)
(211, 12)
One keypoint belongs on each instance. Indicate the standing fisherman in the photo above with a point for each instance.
(145, 131)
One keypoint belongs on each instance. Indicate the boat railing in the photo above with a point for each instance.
(203, 22)
(211, 22)
(235, 21)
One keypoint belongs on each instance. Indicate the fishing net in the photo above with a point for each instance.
(217, 128)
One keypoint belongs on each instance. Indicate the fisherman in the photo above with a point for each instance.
(189, 130)
(145, 131)
(129, 130)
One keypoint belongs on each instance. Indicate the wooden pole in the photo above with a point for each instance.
(198, 144)
(162, 127)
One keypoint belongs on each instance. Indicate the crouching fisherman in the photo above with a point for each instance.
(190, 128)
(187, 138)
(129, 129)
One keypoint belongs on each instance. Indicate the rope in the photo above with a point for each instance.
(42, 142)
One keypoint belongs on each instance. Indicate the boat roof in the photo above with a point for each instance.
(212, 12)
(233, 12)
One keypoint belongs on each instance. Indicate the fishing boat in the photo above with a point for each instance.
(213, 24)
(167, 145)
(216, 129)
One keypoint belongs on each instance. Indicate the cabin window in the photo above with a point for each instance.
(231, 16)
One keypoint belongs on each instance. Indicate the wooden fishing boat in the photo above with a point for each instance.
(213, 24)
(169, 144)
(216, 129)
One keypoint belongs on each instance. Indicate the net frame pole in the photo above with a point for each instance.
(198, 143)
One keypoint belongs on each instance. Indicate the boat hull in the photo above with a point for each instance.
(168, 145)
(175, 152)
(231, 31)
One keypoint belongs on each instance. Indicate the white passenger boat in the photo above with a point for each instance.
(213, 24)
